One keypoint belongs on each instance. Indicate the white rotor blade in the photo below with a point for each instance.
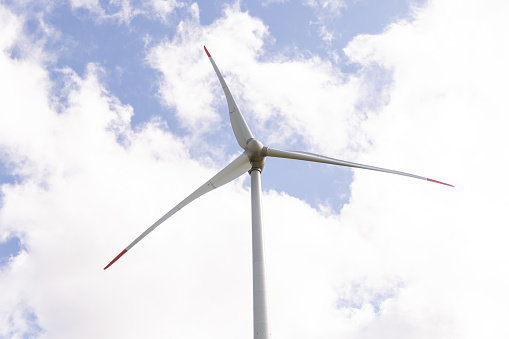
(235, 169)
(270, 152)
(239, 125)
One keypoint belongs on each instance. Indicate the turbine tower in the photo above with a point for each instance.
(252, 161)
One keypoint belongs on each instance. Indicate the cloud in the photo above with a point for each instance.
(403, 259)
(75, 171)
(88, 182)
(265, 86)
(327, 13)
(445, 110)
(123, 11)
(163, 8)
(326, 7)
(188, 83)
(11, 29)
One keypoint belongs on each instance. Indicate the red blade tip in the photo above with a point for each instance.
(439, 182)
(208, 54)
(116, 258)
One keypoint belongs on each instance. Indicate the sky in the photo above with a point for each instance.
(110, 114)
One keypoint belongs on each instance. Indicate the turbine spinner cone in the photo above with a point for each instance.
(256, 153)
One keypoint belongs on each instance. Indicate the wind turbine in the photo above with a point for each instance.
(252, 160)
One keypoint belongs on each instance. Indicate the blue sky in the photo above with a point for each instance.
(112, 114)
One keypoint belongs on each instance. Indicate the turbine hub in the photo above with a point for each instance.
(255, 151)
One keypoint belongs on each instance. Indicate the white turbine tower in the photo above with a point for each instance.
(253, 161)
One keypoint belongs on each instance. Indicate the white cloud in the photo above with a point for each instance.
(123, 11)
(84, 196)
(188, 82)
(327, 13)
(74, 210)
(280, 97)
(327, 35)
(91, 5)
(11, 29)
(444, 119)
(404, 259)
(163, 8)
(332, 7)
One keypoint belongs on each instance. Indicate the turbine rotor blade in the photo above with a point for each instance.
(235, 169)
(270, 152)
(239, 125)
